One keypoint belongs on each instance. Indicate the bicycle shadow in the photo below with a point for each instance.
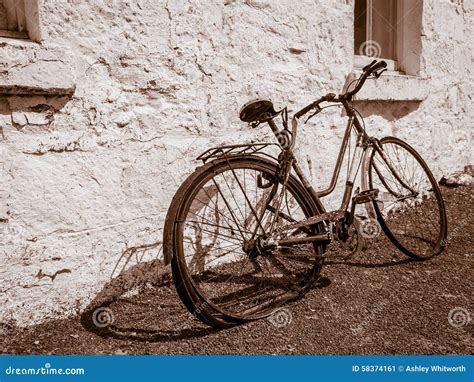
(141, 304)
(369, 256)
(371, 265)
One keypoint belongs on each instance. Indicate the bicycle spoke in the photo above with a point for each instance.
(230, 213)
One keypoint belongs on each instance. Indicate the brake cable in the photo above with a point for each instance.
(320, 109)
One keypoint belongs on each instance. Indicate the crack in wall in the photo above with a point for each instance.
(85, 231)
(41, 275)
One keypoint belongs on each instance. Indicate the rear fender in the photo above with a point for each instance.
(174, 208)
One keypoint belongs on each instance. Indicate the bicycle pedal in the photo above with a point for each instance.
(365, 196)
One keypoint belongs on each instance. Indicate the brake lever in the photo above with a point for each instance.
(378, 74)
(318, 109)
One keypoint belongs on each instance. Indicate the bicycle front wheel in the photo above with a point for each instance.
(409, 206)
(221, 263)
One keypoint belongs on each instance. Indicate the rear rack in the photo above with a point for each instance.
(246, 148)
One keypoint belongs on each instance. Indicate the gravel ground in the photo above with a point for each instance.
(379, 302)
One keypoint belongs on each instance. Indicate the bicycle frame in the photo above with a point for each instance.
(287, 162)
(363, 143)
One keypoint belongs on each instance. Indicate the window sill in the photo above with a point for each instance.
(361, 61)
(28, 68)
(391, 86)
(13, 34)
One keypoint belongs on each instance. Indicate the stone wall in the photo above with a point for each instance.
(124, 95)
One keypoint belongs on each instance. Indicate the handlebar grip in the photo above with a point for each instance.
(380, 64)
(374, 65)
(366, 67)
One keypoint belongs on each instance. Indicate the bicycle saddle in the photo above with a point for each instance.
(253, 110)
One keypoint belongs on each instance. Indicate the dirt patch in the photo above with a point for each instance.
(379, 302)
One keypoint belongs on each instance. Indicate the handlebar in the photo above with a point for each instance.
(328, 97)
(367, 71)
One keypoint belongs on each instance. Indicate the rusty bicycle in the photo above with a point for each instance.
(247, 232)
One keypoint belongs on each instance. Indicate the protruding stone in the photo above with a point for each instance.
(124, 118)
(38, 118)
(456, 179)
(19, 119)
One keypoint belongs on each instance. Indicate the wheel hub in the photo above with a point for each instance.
(258, 247)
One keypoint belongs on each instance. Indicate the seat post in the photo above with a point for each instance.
(273, 126)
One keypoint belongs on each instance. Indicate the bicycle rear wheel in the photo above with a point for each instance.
(223, 270)
(409, 207)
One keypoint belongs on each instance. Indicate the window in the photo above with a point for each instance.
(375, 29)
(20, 19)
(388, 29)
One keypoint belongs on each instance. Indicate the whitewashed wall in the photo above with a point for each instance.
(158, 83)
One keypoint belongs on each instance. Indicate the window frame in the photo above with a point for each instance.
(409, 49)
(32, 22)
(392, 65)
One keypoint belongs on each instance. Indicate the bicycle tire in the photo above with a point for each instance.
(187, 295)
(412, 240)
(194, 298)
